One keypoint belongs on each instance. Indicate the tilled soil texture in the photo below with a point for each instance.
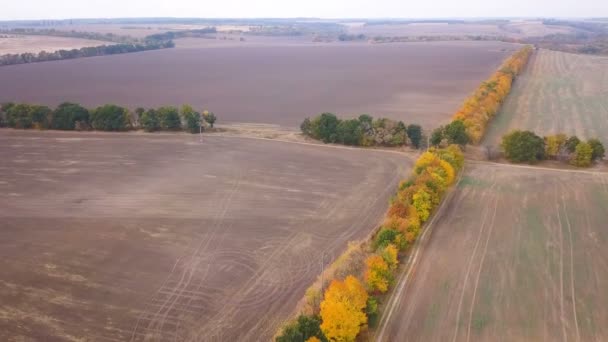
(518, 255)
(558, 93)
(118, 237)
(274, 83)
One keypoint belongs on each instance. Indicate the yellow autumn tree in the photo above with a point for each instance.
(389, 254)
(377, 274)
(313, 339)
(342, 310)
(423, 203)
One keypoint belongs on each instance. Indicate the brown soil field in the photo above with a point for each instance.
(518, 255)
(559, 92)
(417, 82)
(118, 237)
(34, 44)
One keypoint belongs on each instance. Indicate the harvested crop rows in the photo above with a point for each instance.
(559, 92)
(120, 237)
(281, 84)
(517, 255)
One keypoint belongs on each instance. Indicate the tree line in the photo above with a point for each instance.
(349, 304)
(109, 117)
(124, 44)
(362, 131)
(527, 147)
(485, 102)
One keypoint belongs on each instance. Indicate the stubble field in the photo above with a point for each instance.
(114, 237)
(558, 93)
(518, 255)
(279, 84)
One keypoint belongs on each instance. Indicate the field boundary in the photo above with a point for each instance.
(412, 260)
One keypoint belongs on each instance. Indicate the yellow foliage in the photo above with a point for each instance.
(342, 309)
(485, 102)
(313, 339)
(449, 171)
(377, 275)
(426, 159)
(553, 144)
(389, 254)
(423, 203)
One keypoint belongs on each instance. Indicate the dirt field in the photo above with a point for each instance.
(118, 237)
(559, 92)
(418, 82)
(519, 255)
(34, 44)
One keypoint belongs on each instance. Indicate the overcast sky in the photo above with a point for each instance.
(62, 9)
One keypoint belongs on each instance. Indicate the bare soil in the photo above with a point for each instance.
(275, 84)
(118, 237)
(15, 44)
(518, 255)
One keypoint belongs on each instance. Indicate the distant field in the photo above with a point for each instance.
(519, 255)
(280, 84)
(559, 92)
(514, 29)
(35, 44)
(118, 237)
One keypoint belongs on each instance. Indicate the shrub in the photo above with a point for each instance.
(303, 329)
(110, 118)
(523, 146)
(371, 309)
(389, 254)
(582, 155)
(150, 121)
(67, 114)
(169, 118)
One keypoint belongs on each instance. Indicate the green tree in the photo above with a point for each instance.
(67, 114)
(210, 118)
(349, 132)
(456, 133)
(571, 143)
(325, 128)
(150, 121)
(192, 119)
(582, 155)
(437, 136)
(385, 237)
(598, 149)
(414, 132)
(40, 116)
(302, 329)
(523, 146)
(19, 116)
(169, 118)
(110, 118)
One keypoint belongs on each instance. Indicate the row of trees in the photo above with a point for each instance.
(362, 131)
(527, 147)
(485, 102)
(43, 56)
(109, 117)
(109, 37)
(351, 304)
